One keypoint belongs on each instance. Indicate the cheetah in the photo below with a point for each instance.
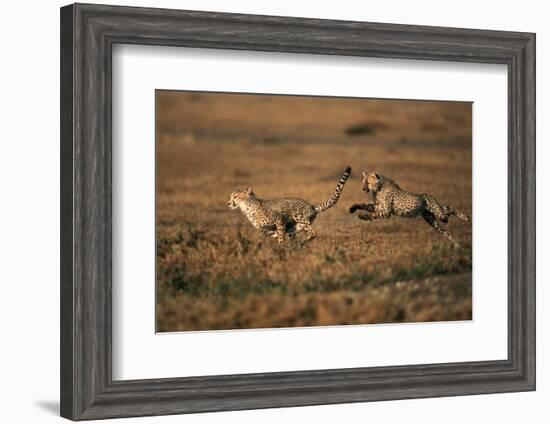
(390, 199)
(288, 216)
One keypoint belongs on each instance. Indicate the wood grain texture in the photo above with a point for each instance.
(88, 33)
(66, 212)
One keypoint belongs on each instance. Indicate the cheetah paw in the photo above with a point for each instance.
(365, 216)
(354, 207)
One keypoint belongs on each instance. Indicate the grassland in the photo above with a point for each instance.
(214, 271)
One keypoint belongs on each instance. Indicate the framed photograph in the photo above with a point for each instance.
(261, 268)
(263, 211)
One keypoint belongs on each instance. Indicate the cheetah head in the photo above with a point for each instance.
(371, 182)
(239, 196)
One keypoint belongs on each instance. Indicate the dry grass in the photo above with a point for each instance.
(214, 271)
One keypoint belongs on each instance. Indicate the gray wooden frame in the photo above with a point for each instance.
(88, 33)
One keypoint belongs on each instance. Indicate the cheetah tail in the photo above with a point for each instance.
(336, 195)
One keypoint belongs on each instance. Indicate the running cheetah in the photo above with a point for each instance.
(390, 199)
(277, 217)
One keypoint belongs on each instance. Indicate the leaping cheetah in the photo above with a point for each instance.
(390, 199)
(277, 217)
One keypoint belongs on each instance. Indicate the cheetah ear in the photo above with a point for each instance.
(376, 175)
(249, 190)
(364, 175)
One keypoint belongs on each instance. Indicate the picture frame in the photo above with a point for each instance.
(88, 33)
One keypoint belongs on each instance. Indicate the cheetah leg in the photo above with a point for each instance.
(435, 208)
(280, 235)
(367, 216)
(431, 219)
(280, 230)
(375, 213)
(363, 206)
(291, 233)
(450, 211)
(270, 232)
(442, 212)
(310, 232)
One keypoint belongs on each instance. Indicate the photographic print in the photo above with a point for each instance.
(295, 211)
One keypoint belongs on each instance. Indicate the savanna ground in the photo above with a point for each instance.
(214, 271)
